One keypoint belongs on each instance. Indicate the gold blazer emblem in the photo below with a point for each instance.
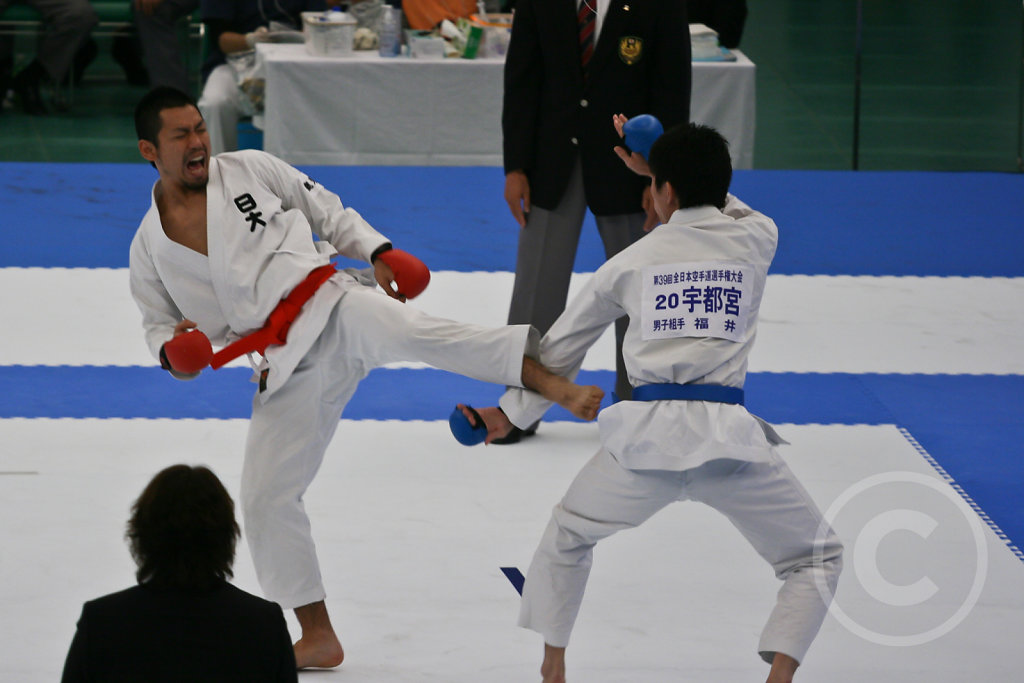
(631, 49)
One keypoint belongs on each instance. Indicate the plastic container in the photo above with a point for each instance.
(329, 34)
(496, 33)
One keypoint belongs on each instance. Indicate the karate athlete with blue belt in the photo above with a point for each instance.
(226, 254)
(692, 289)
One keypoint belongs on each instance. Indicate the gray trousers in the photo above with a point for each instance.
(161, 48)
(764, 501)
(547, 251)
(66, 23)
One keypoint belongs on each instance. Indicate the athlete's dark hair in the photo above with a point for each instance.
(147, 111)
(695, 159)
(182, 531)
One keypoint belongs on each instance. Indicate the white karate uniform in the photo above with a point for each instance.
(261, 216)
(657, 452)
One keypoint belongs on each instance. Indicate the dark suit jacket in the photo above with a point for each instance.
(143, 634)
(641, 65)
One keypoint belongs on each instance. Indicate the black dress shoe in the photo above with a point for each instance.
(126, 51)
(31, 99)
(26, 86)
(84, 56)
(516, 435)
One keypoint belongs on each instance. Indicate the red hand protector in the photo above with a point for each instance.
(411, 274)
(189, 353)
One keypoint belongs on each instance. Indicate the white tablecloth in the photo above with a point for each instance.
(370, 110)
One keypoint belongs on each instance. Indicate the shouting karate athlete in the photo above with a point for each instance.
(226, 253)
(692, 289)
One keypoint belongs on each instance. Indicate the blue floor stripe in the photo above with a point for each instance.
(148, 392)
(891, 223)
(851, 223)
(974, 405)
(969, 423)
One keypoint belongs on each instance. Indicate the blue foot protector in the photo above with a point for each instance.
(465, 433)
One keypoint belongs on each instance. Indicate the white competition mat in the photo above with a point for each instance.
(412, 529)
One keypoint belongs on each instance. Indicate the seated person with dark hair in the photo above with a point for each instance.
(235, 26)
(184, 621)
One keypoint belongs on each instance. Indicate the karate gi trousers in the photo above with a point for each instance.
(291, 429)
(763, 500)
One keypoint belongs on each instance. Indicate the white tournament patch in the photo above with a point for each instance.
(701, 299)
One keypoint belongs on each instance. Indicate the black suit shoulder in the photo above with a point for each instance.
(141, 634)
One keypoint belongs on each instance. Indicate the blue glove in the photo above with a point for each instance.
(641, 132)
(465, 433)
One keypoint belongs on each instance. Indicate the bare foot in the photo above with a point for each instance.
(783, 668)
(553, 668)
(497, 423)
(312, 652)
(319, 647)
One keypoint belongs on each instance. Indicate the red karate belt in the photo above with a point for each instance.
(275, 331)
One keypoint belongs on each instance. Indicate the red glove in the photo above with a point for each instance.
(187, 353)
(411, 274)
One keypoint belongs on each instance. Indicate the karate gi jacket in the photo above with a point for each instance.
(261, 217)
(669, 435)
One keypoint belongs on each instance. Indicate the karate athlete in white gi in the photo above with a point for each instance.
(224, 241)
(692, 289)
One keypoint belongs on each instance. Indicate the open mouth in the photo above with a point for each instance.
(196, 164)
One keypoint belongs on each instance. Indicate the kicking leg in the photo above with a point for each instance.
(583, 402)
(379, 330)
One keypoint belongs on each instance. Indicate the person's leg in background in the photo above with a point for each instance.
(6, 63)
(544, 261)
(221, 107)
(67, 24)
(161, 49)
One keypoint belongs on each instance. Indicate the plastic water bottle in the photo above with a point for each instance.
(391, 32)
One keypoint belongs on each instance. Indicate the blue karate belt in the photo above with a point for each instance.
(715, 393)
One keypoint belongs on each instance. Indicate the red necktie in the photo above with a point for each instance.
(585, 19)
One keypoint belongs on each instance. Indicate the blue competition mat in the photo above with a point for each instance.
(831, 223)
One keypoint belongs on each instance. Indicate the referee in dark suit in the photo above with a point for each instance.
(571, 65)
